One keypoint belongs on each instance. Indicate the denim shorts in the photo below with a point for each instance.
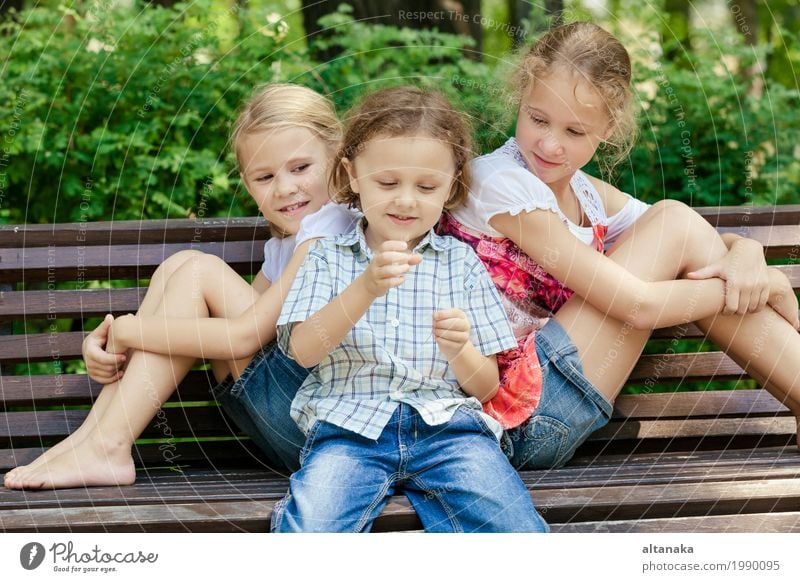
(570, 408)
(259, 402)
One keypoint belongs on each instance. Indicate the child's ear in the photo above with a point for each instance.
(351, 174)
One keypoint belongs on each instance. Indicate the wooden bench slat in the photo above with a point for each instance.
(667, 429)
(118, 232)
(46, 390)
(668, 500)
(777, 240)
(240, 453)
(227, 516)
(694, 366)
(787, 522)
(30, 427)
(119, 262)
(691, 404)
(766, 215)
(66, 303)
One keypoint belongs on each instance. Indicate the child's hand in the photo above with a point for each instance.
(388, 267)
(782, 298)
(117, 333)
(451, 330)
(102, 366)
(747, 281)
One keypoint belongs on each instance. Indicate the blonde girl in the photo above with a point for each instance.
(284, 139)
(583, 267)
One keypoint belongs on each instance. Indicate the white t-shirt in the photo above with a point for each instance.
(330, 220)
(502, 183)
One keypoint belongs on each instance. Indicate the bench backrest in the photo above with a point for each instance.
(55, 277)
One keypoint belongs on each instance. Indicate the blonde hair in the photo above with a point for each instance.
(405, 111)
(280, 106)
(601, 60)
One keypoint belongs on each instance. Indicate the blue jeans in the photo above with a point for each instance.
(569, 411)
(259, 402)
(454, 474)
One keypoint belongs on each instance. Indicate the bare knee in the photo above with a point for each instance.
(174, 262)
(689, 233)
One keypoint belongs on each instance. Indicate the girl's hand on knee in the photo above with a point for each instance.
(782, 298)
(747, 281)
(389, 266)
(451, 330)
(102, 366)
(116, 334)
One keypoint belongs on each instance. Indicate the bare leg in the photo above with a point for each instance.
(152, 298)
(677, 240)
(199, 287)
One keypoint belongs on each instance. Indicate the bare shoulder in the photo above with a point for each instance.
(613, 199)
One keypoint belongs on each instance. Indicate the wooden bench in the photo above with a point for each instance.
(690, 461)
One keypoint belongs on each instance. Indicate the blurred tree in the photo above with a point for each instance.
(521, 10)
(463, 17)
(675, 28)
(6, 5)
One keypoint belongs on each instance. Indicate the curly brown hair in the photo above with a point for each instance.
(404, 111)
(601, 60)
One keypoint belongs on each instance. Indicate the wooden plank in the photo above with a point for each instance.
(766, 215)
(118, 232)
(29, 428)
(71, 389)
(240, 453)
(697, 366)
(786, 522)
(670, 429)
(778, 240)
(68, 303)
(693, 404)
(237, 516)
(53, 264)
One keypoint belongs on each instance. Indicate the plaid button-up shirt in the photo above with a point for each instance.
(390, 355)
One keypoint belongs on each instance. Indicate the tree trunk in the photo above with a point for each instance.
(463, 17)
(5, 5)
(676, 28)
(745, 18)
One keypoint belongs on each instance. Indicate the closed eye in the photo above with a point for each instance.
(301, 168)
(264, 178)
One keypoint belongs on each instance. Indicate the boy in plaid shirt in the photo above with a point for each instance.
(402, 343)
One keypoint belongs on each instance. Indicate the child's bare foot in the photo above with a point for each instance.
(67, 444)
(89, 464)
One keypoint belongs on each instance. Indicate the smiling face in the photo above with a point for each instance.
(403, 184)
(285, 171)
(562, 120)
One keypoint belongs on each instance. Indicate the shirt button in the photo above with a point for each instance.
(394, 322)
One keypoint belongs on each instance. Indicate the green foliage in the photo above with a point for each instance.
(714, 133)
(123, 113)
(120, 113)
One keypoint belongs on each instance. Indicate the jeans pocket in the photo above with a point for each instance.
(478, 418)
(542, 443)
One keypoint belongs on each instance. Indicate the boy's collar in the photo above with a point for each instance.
(357, 238)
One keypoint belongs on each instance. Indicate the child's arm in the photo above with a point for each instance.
(603, 283)
(744, 268)
(213, 338)
(314, 339)
(477, 374)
